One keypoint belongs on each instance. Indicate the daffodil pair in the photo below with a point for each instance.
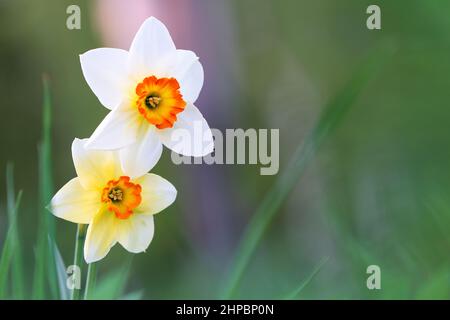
(150, 90)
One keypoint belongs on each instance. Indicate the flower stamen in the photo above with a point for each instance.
(121, 196)
(152, 101)
(116, 194)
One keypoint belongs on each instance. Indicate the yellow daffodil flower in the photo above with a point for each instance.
(117, 205)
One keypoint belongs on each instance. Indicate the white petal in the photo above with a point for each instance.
(136, 232)
(94, 168)
(151, 44)
(190, 134)
(157, 194)
(74, 203)
(101, 236)
(105, 71)
(191, 81)
(117, 130)
(141, 156)
(185, 67)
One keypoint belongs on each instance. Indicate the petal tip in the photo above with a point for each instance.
(48, 207)
(152, 19)
(89, 257)
(78, 141)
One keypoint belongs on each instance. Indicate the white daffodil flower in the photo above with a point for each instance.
(150, 90)
(118, 207)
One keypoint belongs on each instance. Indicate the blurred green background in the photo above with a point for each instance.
(376, 192)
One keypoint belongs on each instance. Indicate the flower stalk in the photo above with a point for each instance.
(90, 280)
(77, 261)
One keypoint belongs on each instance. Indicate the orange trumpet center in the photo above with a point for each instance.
(159, 101)
(121, 196)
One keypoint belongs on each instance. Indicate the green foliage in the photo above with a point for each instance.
(61, 273)
(112, 285)
(330, 118)
(45, 259)
(9, 246)
(18, 288)
(294, 294)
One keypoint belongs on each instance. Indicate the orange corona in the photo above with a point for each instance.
(121, 196)
(159, 101)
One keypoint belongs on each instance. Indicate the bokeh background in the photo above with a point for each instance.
(377, 191)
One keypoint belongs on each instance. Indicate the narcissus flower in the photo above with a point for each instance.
(118, 206)
(150, 90)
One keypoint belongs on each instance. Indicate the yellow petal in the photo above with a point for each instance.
(136, 232)
(74, 203)
(101, 235)
(94, 168)
(157, 194)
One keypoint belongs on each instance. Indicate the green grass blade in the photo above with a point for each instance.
(10, 195)
(18, 285)
(91, 281)
(112, 286)
(78, 256)
(45, 259)
(64, 292)
(8, 251)
(331, 116)
(294, 294)
(39, 269)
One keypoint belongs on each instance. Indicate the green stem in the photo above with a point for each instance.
(78, 258)
(90, 281)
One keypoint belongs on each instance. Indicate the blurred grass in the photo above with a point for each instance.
(332, 114)
(18, 288)
(61, 273)
(46, 186)
(9, 246)
(112, 285)
(45, 258)
(294, 294)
